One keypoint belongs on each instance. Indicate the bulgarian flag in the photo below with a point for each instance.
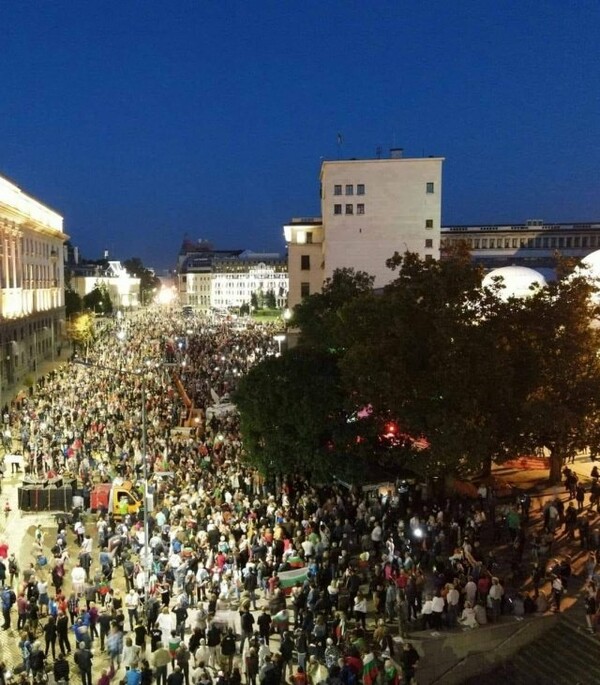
(295, 562)
(370, 669)
(296, 576)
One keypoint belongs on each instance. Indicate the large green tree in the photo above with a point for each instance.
(291, 413)
(556, 342)
(148, 281)
(320, 316)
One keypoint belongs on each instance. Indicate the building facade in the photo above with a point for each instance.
(369, 210)
(534, 244)
(224, 280)
(32, 314)
(123, 289)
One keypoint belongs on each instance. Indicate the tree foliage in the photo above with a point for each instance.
(81, 329)
(320, 316)
(290, 409)
(73, 303)
(98, 300)
(148, 281)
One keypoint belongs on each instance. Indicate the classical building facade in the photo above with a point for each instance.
(534, 243)
(228, 279)
(124, 289)
(369, 210)
(32, 316)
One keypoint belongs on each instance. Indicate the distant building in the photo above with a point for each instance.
(534, 244)
(31, 282)
(369, 210)
(227, 279)
(123, 289)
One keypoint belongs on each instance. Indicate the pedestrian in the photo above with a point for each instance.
(83, 661)
(62, 631)
(61, 669)
(50, 635)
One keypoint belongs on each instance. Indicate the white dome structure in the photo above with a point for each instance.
(517, 281)
(590, 265)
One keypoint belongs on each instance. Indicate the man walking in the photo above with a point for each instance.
(83, 660)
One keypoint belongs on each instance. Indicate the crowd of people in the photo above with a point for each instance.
(242, 579)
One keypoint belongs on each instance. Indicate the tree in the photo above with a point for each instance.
(81, 330)
(148, 281)
(319, 316)
(558, 341)
(290, 411)
(98, 300)
(270, 301)
(254, 301)
(73, 303)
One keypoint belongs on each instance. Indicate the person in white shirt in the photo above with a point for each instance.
(426, 612)
(437, 610)
(78, 579)
(453, 600)
(495, 596)
(468, 618)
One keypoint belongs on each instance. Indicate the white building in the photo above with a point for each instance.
(369, 210)
(124, 289)
(228, 279)
(31, 283)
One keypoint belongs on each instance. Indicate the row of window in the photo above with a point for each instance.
(349, 188)
(360, 209)
(542, 242)
(360, 188)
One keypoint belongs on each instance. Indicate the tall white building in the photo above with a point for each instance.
(31, 283)
(369, 210)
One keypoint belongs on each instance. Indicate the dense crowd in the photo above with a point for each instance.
(241, 579)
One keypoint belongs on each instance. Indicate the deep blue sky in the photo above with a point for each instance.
(141, 121)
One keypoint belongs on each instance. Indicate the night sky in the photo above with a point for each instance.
(143, 121)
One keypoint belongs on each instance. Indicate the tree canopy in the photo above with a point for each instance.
(148, 281)
(463, 377)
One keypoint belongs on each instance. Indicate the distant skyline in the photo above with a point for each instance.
(143, 122)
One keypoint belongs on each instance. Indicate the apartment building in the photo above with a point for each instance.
(370, 209)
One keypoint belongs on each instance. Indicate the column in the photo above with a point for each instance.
(14, 259)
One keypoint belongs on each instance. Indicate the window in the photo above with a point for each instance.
(304, 289)
(309, 237)
(305, 262)
(360, 208)
(584, 241)
(349, 209)
(507, 243)
(428, 223)
(515, 243)
(568, 241)
(430, 187)
(337, 190)
(484, 243)
(360, 188)
(576, 241)
(492, 243)
(429, 242)
(428, 257)
(349, 189)
(337, 209)
(476, 243)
